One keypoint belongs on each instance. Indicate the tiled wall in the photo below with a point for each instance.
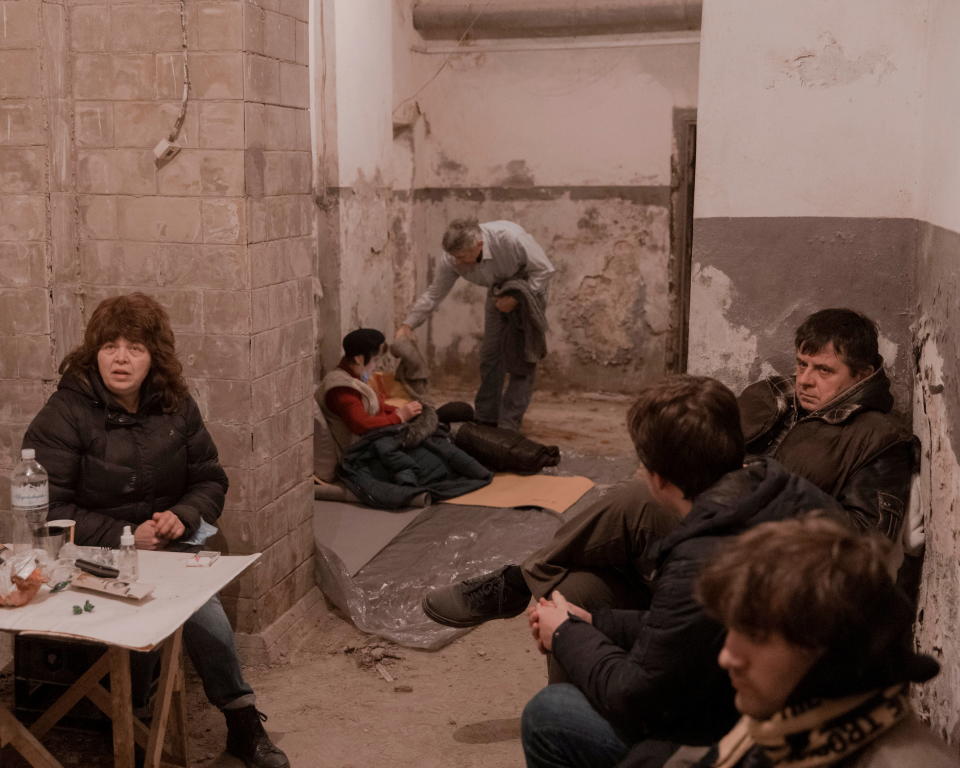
(222, 235)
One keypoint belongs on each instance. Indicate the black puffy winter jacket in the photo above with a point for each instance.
(654, 673)
(109, 468)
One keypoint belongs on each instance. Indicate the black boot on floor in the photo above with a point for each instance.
(500, 594)
(247, 740)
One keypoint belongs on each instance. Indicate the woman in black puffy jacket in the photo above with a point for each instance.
(124, 443)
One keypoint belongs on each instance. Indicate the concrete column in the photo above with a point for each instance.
(222, 235)
(26, 247)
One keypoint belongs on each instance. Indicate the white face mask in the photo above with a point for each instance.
(368, 370)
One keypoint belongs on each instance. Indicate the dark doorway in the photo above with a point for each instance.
(683, 165)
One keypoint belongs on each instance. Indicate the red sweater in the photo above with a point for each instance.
(348, 405)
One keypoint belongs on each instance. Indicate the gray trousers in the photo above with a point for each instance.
(601, 557)
(493, 404)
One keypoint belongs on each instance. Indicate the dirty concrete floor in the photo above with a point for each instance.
(458, 706)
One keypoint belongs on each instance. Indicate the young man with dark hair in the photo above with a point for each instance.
(818, 649)
(830, 423)
(651, 675)
(503, 257)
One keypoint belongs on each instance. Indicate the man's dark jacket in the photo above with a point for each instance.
(654, 673)
(853, 448)
(109, 468)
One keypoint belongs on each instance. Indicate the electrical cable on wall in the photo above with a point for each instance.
(446, 61)
(167, 148)
(320, 191)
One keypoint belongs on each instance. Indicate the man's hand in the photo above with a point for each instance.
(533, 618)
(145, 537)
(550, 614)
(506, 304)
(168, 525)
(404, 332)
(409, 410)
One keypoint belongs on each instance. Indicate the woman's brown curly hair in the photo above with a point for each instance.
(137, 318)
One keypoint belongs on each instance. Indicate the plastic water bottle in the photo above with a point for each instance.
(127, 561)
(29, 499)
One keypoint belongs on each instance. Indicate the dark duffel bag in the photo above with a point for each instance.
(504, 450)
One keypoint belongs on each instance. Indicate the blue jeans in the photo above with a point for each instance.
(560, 729)
(208, 640)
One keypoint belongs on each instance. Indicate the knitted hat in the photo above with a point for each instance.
(363, 341)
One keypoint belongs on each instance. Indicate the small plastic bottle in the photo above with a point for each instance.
(29, 499)
(127, 561)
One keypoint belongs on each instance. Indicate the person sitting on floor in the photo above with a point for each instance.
(352, 402)
(831, 423)
(124, 443)
(651, 675)
(819, 651)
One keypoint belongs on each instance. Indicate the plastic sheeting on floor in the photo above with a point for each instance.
(441, 545)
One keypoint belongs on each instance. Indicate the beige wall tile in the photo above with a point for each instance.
(160, 219)
(21, 74)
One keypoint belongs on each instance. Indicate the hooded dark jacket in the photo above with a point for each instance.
(654, 673)
(109, 468)
(854, 448)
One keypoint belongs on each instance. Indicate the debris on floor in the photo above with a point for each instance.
(374, 654)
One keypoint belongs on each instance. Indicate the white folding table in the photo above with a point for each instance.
(123, 626)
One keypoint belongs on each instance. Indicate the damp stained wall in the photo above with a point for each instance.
(573, 142)
(807, 178)
(936, 415)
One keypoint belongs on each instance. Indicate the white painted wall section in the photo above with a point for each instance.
(811, 108)
(364, 87)
(941, 118)
(580, 116)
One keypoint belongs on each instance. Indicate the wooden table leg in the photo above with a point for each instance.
(178, 717)
(169, 701)
(15, 733)
(121, 698)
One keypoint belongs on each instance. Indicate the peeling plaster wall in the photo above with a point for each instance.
(807, 178)
(937, 423)
(937, 395)
(608, 309)
(576, 146)
(756, 278)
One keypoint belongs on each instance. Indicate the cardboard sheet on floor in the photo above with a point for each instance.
(412, 552)
(545, 491)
